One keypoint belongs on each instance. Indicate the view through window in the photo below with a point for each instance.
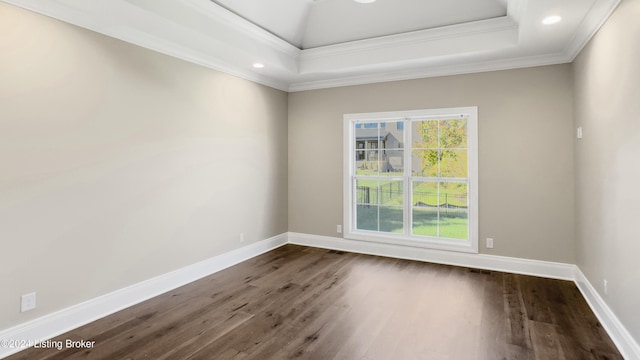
(412, 176)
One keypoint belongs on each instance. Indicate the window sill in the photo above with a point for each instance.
(465, 246)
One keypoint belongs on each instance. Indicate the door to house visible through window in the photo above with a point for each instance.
(411, 178)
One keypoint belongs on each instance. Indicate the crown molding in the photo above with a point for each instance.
(230, 44)
(219, 13)
(63, 11)
(428, 72)
(421, 36)
(599, 14)
(398, 50)
(515, 9)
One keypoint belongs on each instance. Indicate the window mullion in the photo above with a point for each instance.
(408, 188)
(439, 152)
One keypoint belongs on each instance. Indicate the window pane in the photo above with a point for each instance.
(453, 195)
(425, 194)
(454, 223)
(453, 133)
(392, 162)
(370, 215)
(367, 204)
(367, 162)
(367, 192)
(364, 132)
(453, 163)
(440, 209)
(425, 134)
(453, 209)
(391, 193)
(378, 148)
(425, 221)
(392, 136)
(367, 143)
(372, 155)
(425, 208)
(367, 217)
(391, 219)
(424, 163)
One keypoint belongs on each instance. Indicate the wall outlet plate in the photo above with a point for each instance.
(28, 302)
(489, 243)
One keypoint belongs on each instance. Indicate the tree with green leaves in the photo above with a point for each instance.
(444, 143)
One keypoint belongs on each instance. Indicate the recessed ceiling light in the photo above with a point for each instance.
(258, 65)
(553, 19)
(364, 1)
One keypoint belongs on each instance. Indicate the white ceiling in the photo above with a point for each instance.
(310, 44)
(308, 24)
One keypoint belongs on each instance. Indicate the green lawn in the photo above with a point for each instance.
(453, 223)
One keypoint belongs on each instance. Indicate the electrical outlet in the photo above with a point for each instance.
(606, 287)
(241, 237)
(489, 243)
(27, 302)
(339, 228)
(579, 132)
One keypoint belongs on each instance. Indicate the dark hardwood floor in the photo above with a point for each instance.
(297, 302)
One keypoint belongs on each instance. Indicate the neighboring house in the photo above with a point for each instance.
(380, 148)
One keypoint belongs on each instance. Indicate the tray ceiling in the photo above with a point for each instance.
(307, 44)
(308, 24)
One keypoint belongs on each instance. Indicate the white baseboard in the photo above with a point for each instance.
(62, 321)
(480, 261)
(626, 344)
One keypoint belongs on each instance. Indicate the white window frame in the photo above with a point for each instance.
(350, 232)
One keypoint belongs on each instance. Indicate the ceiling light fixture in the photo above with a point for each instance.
(553, 19)
(364, 1)
(258, 65)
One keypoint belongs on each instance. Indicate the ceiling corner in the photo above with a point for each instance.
(599, 14)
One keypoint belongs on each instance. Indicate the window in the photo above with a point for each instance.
(411, 178)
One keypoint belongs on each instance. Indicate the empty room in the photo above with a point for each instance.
(319, 179)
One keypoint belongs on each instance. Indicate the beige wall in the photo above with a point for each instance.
(607, 106)
(119, 164)
(525, 153)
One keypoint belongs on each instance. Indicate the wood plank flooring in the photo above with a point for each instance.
(305, 303)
